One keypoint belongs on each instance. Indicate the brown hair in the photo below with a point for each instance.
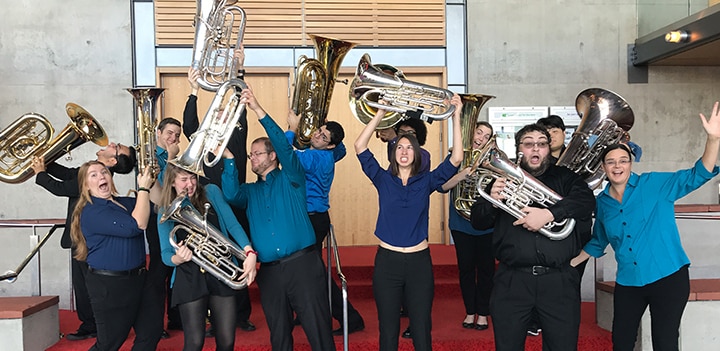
(168, 194)
(78, 239)
(417, 160)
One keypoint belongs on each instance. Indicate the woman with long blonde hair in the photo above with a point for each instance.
(107, 232)
(194, 290)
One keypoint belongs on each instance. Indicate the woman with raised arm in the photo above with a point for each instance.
(403, 267)
(636, 216)
(194, 289)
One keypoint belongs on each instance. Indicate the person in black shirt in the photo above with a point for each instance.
(534, 274)
(63, 181)
(236, 145)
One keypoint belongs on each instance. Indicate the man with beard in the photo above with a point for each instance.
(534, 274)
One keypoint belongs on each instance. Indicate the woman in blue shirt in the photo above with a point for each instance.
(473, 248)
(194, 290)
(635, 214)
(107, 232)
(403, 267)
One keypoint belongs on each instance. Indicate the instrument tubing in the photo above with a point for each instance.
(291, 257)
(109, 273)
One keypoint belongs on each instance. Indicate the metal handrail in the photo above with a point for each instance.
(332, 253)
(11, 275)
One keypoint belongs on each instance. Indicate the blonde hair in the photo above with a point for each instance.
(78, 239)
(168, 194)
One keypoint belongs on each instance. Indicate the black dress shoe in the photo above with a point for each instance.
(351, 329)
(210, 332)
(468, 325)
(406, 334)
(479, 326)
(80, 335)
(246, 325)
(164, 335)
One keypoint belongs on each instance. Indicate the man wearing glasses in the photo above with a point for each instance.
(62, 181)
(534, 275)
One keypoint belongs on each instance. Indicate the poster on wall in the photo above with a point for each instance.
(507, 120)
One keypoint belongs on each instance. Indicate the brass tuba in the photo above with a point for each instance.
(465, 192)
(521, 189)
(211, 250)
(314, 85)
(214, 133)
(30, 135)
(212, 48)
(146, 126)
(605, 119)
(405, 98)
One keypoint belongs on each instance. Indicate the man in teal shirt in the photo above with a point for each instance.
(292, 273)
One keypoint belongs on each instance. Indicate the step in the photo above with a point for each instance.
(29, 322)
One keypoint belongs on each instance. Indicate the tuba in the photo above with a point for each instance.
(146, 125)
(30, 135)
(605, 120)
(214, 133)
(211, 250)
(314, 85)
(521, 190)
(212, 49)
(465, 192)
(405, 98)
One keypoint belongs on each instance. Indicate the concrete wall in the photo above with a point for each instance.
(540, 53)
(52, 53)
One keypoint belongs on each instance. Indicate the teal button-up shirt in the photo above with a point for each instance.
(642, 229)
(276, 207)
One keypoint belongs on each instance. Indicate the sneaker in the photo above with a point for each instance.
(534, 331)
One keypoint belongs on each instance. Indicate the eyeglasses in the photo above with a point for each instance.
(621, 162)
(530, 144)
(255, 154)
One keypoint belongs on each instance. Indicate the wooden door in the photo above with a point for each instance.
(353, 199)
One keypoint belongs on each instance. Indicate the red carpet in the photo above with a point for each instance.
(448, 313)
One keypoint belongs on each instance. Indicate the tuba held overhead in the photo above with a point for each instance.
(465, 192)
(407, 99)
(214, 133)
(605, 120)
(521, 189)
(213, 48)
(29, 136)
(314, 85)
(146, 124)
(211, 250)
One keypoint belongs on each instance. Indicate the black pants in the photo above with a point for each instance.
(119, 304)
(79, 270)
(296, 285)
(666, 297)
(405, 277)
(554, 296)
(321, 225)
(476, 266)
(156, 283)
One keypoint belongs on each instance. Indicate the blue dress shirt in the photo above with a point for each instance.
(642, 229)
(277, 206)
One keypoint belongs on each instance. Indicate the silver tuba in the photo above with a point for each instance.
(521, 189)
(212, 48)
(30, 135)
(606, 119)
(405, 98)
(214, 133)
(211, 250)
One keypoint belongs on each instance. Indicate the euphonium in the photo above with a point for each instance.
(314, 85)
(521, 189)
(406, 98)
(605, 119)
(146, 126)
(214, 133)
(465, 192)
(212, 48)
(211, 250)
(29, 136)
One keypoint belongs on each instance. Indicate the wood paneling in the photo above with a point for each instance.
(353, 199)
(286, 23)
